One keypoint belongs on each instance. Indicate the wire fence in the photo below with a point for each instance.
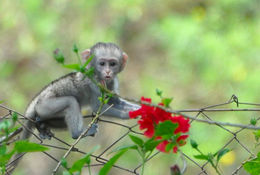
(197, 115)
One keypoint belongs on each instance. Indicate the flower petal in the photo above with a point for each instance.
(183, 124)
(161, 147)
(134, 114)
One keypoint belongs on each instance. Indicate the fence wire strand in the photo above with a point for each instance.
(204, 113)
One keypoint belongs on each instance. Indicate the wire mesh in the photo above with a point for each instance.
(208, 113)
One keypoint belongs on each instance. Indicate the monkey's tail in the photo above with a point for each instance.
(26, 133)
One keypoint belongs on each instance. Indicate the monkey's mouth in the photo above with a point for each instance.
(107, 77)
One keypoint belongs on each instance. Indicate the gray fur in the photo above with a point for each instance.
(58, 105)
(63, 98)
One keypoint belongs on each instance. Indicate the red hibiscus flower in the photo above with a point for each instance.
(180, 142)
(152, 116)
(183, 124)
(162, 146)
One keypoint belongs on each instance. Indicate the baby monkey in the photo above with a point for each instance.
(59, 104)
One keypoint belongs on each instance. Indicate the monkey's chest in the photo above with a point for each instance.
(87, 97)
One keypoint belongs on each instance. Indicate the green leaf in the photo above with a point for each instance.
(72, 66)
(100, 99)
(88, 60)
(167, 101)
(202, 157)
(5, 125)
(14, 129)
(169, 146)
(78, 165)
(14, 116)
(58, 56)
(1, 101)
(253, 166)
(166, 128)
(64, 162)
(221, 153)
(193, 144)
(257, 135)
(82, 69)
(253, 121)
(90, 72)
(151, 144)
(75, 48)
(106, 168)
(25, 146)
(120, 148)
(159, 92)
(106, 100)
(66, 173)
(109, 95)
(137, 140)
(6, 157)
(3, 149)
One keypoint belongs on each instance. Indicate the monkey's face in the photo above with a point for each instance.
(107, 68)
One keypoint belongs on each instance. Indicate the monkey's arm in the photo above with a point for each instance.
(122, 104)
(113, 112)
(120, 108)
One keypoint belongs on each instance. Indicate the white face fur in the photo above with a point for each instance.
(107, 63)
(107, 68)
(108, 60)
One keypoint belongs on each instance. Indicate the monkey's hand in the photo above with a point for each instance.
(92, 130)
(44, 131)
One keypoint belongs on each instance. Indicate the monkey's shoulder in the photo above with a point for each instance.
(72, 84)
(68, 85)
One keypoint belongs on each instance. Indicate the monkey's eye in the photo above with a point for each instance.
(102, 63)
(112, 64)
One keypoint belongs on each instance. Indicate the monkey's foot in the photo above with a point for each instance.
(44, 131)
(93, 130)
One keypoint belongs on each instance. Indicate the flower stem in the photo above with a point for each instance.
(79, 60)
(142, 171)
(89, 172)
(215, 167)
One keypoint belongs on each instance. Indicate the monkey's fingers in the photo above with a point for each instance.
(93, 130)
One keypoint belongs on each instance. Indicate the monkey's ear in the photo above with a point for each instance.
(85, 54)
(125, 57)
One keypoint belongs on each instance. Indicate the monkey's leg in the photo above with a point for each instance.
(45, 132)
(62, 107)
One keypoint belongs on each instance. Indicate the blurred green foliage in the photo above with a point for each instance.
(199, 52)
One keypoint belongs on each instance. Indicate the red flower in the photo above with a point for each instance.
(152, 116)
(148, 100)
(148, 125)
(134, 114)
(183, 124)
(162, 115)
(162, 146)
(180, 142)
